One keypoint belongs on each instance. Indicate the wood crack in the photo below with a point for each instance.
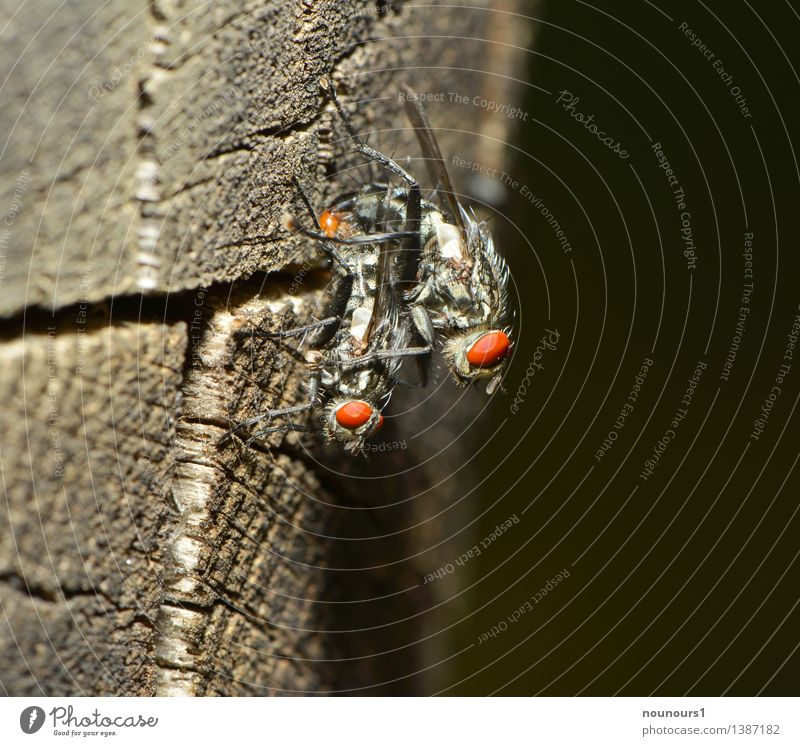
(61, 594)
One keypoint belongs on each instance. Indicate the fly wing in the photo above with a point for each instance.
(433, 156)
(388, 330)
(385, 304)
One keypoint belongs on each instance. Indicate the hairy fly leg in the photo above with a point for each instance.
(414, 197)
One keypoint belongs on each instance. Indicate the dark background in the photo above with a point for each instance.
(684, 583)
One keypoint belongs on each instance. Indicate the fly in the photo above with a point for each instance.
(353, 353)
(458, 281)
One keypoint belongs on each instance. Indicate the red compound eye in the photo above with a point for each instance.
(489, 350)
(379, 425)
(353, 414)
(330, 221)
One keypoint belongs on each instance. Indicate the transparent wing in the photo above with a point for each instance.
(384, 307)
(433, 156)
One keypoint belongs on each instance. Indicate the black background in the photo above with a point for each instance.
(684, 583)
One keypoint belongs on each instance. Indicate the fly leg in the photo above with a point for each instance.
(292, 427)
(293, 351)
(421, 356)
(367, 238)
(325, 330)
(318, 326)
(369, 357)
(313, 399)
(285, 333)
(413, 200)
(268, 415)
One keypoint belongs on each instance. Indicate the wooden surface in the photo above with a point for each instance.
(147, 161)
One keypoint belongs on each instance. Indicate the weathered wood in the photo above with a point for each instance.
(87, 471)
(137, 556)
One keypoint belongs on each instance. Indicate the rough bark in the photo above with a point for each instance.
(148, 159)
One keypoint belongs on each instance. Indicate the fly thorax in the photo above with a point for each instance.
(372, 207)
(355, 383)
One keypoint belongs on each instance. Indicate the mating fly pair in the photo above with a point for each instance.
(405, 270)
